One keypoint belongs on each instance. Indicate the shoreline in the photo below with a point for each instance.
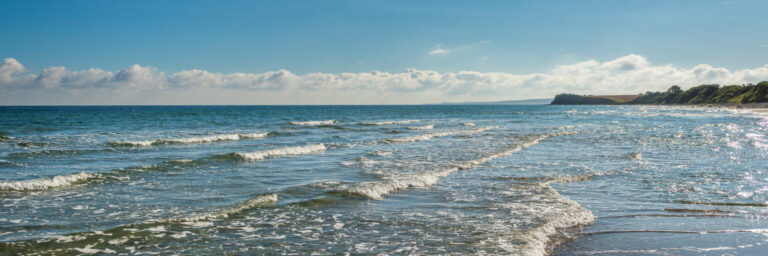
(577, 242)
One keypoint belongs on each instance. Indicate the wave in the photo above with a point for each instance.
(190, 140)
(381, 153)
(555, 179)
(326, 122)
(391, 122)
(224, 213)
(468, 124)
(534, 141)
(9, 163)
(67, 180)
(280, 152)
(560, 214)
(47, 183)
(377, 189)
(426, 127)
(28, 144)
(124, 233)
(429, 136)
(56, 152)
(120, 174)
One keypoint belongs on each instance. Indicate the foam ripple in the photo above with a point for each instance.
(429, 136)
(558, 213)
(377, 189)
(310, 123)
(236, 209)
(391, 122)
(280, 152)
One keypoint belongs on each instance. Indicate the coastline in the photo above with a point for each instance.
(757, 107)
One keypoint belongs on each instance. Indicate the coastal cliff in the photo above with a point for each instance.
(702, 94)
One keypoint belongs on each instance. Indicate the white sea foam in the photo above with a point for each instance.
(391, 122)
(190, 140)
(199, 220)
(570, 214)
(326, 122)
(279, 152)
(468, 124)
(549, 210)
(426, 127)
(553, 210)
(429, 136)
(46, 183)
(378, 189)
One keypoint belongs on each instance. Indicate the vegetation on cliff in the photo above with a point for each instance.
(702, 94)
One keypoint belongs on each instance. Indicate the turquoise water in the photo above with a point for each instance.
(520, 180)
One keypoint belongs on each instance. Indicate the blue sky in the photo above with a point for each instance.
(333, 37)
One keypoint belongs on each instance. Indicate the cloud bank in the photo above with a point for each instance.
(146, 85)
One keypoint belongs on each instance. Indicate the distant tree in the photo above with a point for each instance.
(674, 90)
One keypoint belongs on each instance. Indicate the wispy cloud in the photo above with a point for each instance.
(438, 50)
(441, 49)
(146, 85)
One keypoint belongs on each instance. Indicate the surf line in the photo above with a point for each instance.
(190, 140)
(67, 180)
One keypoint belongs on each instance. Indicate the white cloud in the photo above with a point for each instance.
(146, 85)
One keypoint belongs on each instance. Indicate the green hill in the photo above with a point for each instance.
(702, 94)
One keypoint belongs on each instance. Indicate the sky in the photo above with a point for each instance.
(369, 52)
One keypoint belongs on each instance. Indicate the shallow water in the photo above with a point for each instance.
(526, 180)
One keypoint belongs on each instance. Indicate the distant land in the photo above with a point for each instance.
(702, 94)
(504, 102)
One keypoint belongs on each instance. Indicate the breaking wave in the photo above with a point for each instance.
(224, 213)
(280, 152)
(326, 122)
(391, 122)
(79, 178)
(47, 183)
(559, 213)
(190, 140)
(426, 127)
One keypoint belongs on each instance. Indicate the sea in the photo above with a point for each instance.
(383, 180)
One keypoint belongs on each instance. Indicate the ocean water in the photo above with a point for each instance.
(454, 180)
